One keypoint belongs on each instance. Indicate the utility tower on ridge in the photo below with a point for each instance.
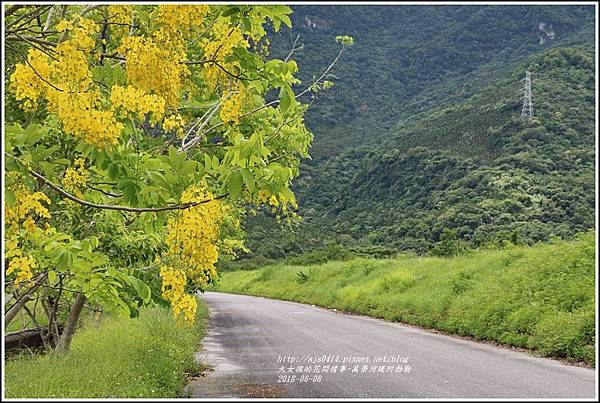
(527, 110)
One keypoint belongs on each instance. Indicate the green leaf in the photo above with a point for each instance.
(65, 262)
(248, 179)
(94, 242)
(286, 20)
(141, 288)
(52, 276)
(188, 167)
(130, 190)
(284, 100)
(235, 183)
(172, 154)
(230, 10)
(10, 198)
(247, 24)
(113, 170)
(157, 178)
(34, 133)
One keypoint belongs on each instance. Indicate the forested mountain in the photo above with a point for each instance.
(421, 143)
(407, 59)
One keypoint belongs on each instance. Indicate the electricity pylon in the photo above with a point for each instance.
(527, 110)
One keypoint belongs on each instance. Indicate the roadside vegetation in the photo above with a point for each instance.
(110, 357)
(536, 297)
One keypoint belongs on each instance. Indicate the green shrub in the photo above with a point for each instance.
(301, 277)
(566, 334)
(396, 282)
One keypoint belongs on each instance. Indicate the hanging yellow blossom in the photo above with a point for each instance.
(22, 265)
(217, 46)
(27, 81)
(173, 290)
(182, 18)
(174, 123)
(131, 99)
(153, 68)
(193, 233)
(25, 204)
(66, 82)
(120, 15)
(232, 106)
(76, 178)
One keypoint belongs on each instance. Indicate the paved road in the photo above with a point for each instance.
(248, 335)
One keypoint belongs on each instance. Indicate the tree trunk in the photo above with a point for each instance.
(64, 344)
(12, 312)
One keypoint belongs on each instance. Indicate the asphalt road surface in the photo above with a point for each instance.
(251, 342)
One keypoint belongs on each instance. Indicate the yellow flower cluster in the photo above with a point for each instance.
(120, 13)
(182, 18)
(81, 119)
(22, 265)
(76, 178)
(232, 106)
(174, 123)
(156, 66)
(131, 99)
(218, 46)
(120, 16)
(193, 233)
(81, 34)
(12, 249)
(26, 84)
(27, 208)
(278, 204)
(67, 84)
(25, 203)
(173, 290)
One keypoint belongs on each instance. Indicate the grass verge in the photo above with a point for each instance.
(541, 298)
(148, 356)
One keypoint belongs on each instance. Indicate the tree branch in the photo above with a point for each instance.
(32, 15)
(49, 18)
(12, 312)
(112, 206)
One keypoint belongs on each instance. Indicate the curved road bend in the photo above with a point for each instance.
(247, 336)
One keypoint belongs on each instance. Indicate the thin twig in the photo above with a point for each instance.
(36, 12)
(104, 191)
(49, 18)
(196, 139)
(294, 48)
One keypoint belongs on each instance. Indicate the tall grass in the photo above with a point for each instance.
(541, 298)
(115, 357)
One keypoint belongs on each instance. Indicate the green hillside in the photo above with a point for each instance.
(409, 59)
(474, 169)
